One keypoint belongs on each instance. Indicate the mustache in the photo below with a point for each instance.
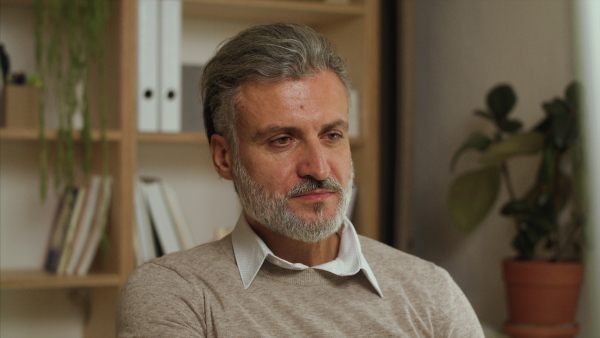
(310, 184)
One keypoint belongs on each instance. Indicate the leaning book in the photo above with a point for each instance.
(100, 219)
(60, 224)
(84, 226)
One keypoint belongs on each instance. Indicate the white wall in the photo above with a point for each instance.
(464, 47)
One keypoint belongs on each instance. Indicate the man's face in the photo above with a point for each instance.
(293, 168)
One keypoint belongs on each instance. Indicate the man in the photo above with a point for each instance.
(275, 109)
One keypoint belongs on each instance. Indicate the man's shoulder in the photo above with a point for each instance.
(204, 257)
(425, 288)
(381, 250)
(383, 257)
(185, 272)
(172, 288)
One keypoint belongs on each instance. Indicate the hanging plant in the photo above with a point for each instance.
(70, 37)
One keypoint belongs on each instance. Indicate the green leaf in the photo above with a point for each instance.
(564, 127)
(542, 223)
(524, 245)
(501, 100)
(548, 162)
(484, 114)
(563, 191)
(511, 126)
(572, 94)
(516, 144)
(556, 107)
(471, 197)
(519, 209)
(535, 234)
(476, 141)
(545, 200)
(544, 125)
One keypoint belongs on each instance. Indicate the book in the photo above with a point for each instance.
(85, 224)
(60, 223)
(181, 225)
(67, 245)
(137, 251)
(145, 237)
(98, 225)
(56, 220)
(160, 215)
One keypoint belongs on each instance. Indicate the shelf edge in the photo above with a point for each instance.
(35, 279)
(29, 134)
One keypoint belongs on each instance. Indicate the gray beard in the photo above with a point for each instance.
(272, 211)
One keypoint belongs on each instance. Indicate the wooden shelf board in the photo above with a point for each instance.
(17, 2)
(172, 138)
(33, 134)
(306, 12)
(39, 279)
(199, 138)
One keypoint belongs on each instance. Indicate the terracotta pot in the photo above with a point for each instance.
(533, 331)
(542, 296)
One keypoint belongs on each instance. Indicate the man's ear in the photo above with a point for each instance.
(221, 155)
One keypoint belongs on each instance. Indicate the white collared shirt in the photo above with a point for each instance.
(251, 251)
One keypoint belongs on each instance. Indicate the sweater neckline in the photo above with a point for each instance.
(308, 276)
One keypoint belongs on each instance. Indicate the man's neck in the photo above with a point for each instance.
(293, 251)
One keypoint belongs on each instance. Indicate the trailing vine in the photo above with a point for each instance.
(70, 38)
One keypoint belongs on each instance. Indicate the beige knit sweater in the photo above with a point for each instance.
(199, 293)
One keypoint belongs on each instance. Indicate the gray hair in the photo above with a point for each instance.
(264, 53)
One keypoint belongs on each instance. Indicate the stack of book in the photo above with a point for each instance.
(77, 227)
(161, 227)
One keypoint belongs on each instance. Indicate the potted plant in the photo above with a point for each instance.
(547, 218)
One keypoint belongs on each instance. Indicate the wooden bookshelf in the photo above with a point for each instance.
(353, 28)
(103, 283)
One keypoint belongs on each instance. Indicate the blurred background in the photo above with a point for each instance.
(464, 48)
(459, 49)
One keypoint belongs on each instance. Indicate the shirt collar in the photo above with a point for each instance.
(250, 253)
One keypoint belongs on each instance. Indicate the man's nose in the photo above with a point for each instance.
(313, 161)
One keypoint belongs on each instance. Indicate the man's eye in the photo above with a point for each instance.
(333, 136)
(281, 141)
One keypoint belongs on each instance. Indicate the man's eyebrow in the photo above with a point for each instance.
(275, 129)
(271, 130)
(337, 124)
